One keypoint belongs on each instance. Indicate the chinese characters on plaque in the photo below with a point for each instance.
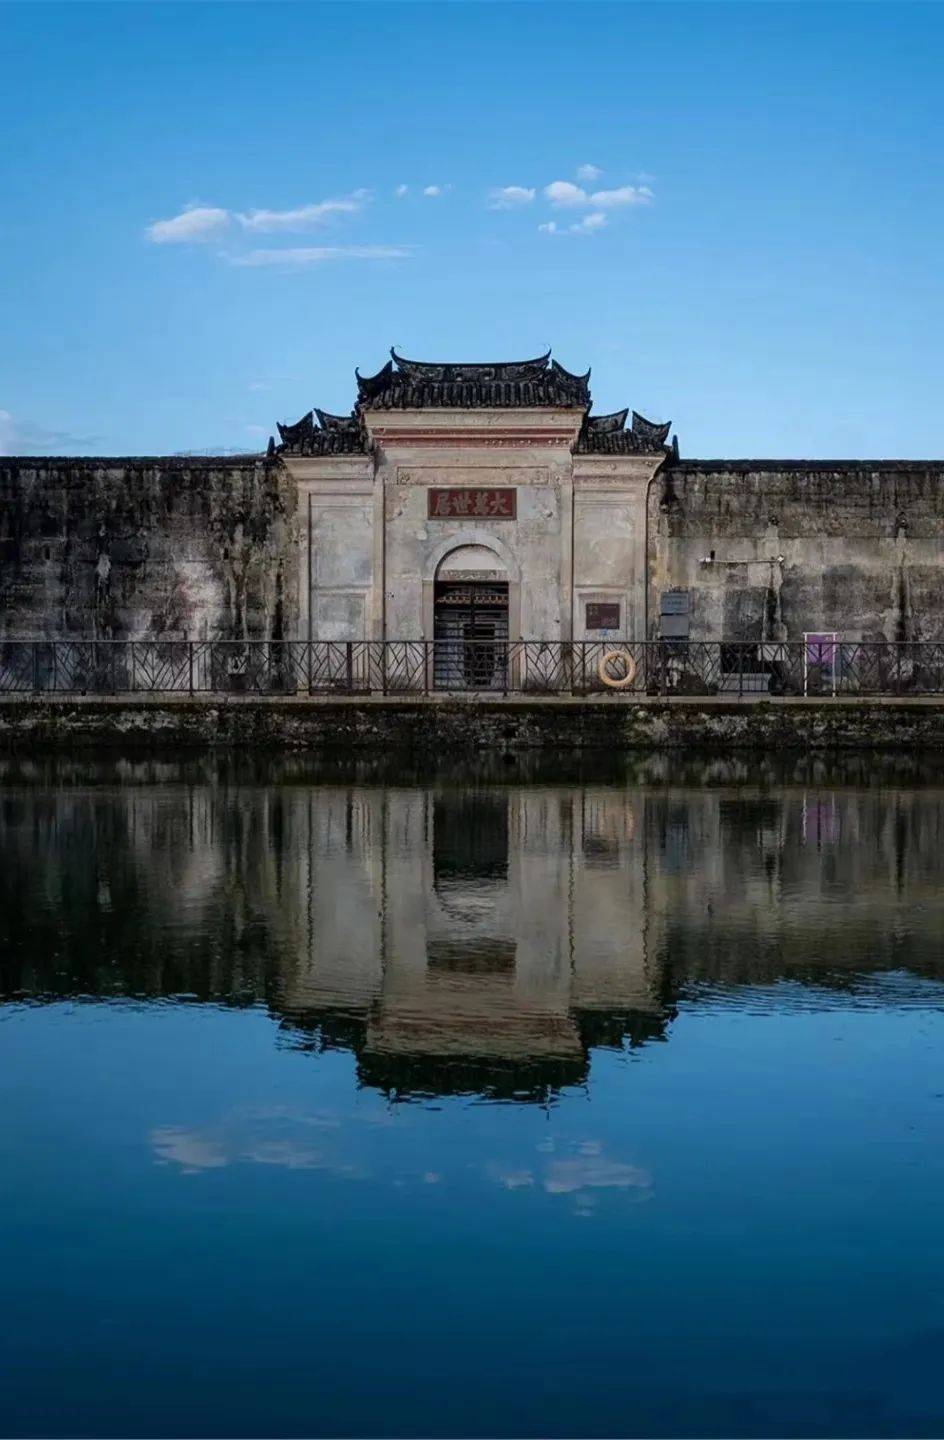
(469, 504)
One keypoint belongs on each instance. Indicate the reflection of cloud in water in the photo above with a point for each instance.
(192, 1152)
(263, 1136)
(586, 1170)
(510, 1179)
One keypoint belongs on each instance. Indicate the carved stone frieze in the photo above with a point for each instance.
(456, 475)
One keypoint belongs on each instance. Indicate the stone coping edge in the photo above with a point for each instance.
(612, 704)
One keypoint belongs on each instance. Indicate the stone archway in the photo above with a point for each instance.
(472, 551)
(471, 611)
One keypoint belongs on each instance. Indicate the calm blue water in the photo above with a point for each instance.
(502, 1102)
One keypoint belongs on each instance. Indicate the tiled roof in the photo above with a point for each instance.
(607, 435)
(332, 435)
(505, 384)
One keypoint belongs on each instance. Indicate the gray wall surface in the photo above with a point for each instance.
(852, 546)
(182, 546)
(138, 548)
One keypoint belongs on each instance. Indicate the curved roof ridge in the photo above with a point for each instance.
(615, 420)
(558, 369)
(404, 384)
(432, 369)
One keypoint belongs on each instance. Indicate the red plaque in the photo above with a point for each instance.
(469, 504)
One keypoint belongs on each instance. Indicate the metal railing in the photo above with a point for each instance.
(416, 667)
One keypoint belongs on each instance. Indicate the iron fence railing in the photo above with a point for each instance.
(415, 667)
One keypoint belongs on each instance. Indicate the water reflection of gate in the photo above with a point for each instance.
(470, 649)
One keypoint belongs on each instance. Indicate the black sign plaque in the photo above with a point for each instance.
(603, 615)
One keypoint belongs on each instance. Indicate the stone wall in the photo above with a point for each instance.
(211, 548)
(134, 548)
(456, 730)
(770, 549)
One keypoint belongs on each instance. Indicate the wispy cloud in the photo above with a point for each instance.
(198, 223)
(588, 225)
(194, 224)
(304, 216)
(588, 173)
(401, 190)
(301, 256)
(594, 221)
(564, 194)
(434, 191)
(625, 195)
(510, 197)
(22, 437)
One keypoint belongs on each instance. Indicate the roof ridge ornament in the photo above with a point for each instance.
(333, 435)
(616, 420)
(607, 435)
(648, 430)
(404, 384)
(327, 421)
(442, 370)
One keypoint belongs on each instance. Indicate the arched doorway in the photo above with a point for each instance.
(470, 620)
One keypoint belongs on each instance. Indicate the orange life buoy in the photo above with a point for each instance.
(626, 659)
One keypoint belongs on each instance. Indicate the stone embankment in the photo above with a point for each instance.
(444, 726)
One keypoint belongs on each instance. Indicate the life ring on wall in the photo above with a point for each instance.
(626, 659)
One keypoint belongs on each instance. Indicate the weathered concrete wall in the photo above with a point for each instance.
(856, 547)
(222, 548)
(529, 546)
(147, 547)
(451, 729)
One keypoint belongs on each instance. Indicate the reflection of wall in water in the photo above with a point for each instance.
(506, 923)
(494, 919)
(749, 886)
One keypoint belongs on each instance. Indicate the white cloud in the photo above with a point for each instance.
(588, 173)
(194, 224)
(594, 221)
(625, 195)
(304, 216)
(197, 223)
(434, 191)
(318, 254)
(509, 197)
(563, 194)
(588, 225)
(401, 190)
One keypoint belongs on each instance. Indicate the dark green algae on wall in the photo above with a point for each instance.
(448, 728)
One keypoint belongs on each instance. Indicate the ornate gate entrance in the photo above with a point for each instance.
(470, 650)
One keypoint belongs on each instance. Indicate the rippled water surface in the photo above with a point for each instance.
(500, 1101)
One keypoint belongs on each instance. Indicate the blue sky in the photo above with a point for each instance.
(755, 251)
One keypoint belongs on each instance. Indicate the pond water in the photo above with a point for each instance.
(500, 1100)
